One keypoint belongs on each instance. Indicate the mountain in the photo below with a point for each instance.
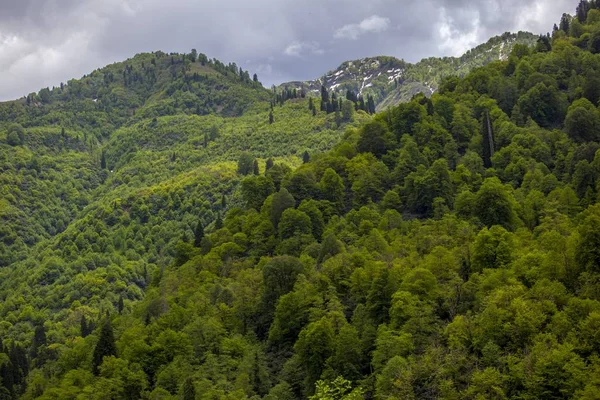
(170, 229)
(391, 81)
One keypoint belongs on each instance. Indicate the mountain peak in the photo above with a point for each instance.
(390, 80)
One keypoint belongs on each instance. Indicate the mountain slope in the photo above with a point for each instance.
(446, 247)
(54, 140)
(391, 81)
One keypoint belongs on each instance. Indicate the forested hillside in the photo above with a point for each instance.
(187, 234)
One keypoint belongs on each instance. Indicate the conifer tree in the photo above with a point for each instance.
(103, 160)
(305, 157)
(565, 23)
(582, 11)
(245, 164)
(104, 347)
(270, 117)
(19, 366)
(370, 105)
(218, 222)
(324, 94)
(84, 327)
(39, 339)
(268, 164)
(120, 304)
(189, 391)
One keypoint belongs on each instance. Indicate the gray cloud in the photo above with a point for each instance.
(45, 42)
(374, 24)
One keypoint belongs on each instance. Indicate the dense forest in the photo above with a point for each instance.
(173, 230)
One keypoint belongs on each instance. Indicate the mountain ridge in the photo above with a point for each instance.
(401, 80)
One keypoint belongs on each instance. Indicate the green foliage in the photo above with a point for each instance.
(339, 389)
(246, 164)
(105, 346)
(589, 250)
(494, 205)
(255, 189)
(444, 248)
(375, 139)
(492, 249)
(280, 202)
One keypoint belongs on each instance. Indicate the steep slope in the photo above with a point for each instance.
(391, 81)
(52, 143)
(224, 247)
(92, 212)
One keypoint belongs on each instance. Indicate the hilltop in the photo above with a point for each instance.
(391, 81)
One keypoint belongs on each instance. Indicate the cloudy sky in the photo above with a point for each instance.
(44, 42)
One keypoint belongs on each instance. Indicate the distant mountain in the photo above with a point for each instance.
(391, 81)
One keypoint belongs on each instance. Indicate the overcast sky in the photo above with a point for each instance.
(44, 42)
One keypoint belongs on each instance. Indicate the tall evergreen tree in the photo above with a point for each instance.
(324, 94)
(104, 347)
(268, 164)
(19, 366)
(488, 139)
(305, 157)
(218, 222)
(245, 164)
(582, 11)
(188, 390)
(329, 108)
(39, 339)
(370, 104)
(84, 327)
(565, 23)
(120, 304)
